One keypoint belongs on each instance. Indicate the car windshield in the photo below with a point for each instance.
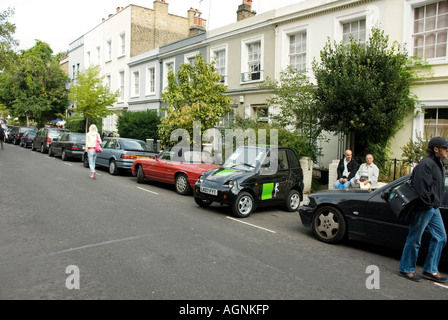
(54, 133)
(245, 158)
(78, 137)
(135, 145)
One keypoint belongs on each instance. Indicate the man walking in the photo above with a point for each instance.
(428, 179)
(2, 137)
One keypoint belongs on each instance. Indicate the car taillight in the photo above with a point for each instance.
(75, 148)
(48, 140)
(128, 156)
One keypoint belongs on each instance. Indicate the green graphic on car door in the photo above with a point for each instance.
(269, 191)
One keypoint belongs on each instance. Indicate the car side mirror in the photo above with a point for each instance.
(385, 194)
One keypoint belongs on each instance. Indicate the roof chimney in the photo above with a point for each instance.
(197, 24)
(245, 10)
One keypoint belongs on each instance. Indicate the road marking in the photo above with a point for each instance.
(67, 164)
(250, 224)
(44, 255)
(441, 285)
(147, 190)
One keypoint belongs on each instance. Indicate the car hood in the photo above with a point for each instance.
(222, 175)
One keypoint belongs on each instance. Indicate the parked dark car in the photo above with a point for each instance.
(363, 215)
(18, 132)
(68, 145)
(45, 137)
(120, 153)
(253, 176)
(27, 138)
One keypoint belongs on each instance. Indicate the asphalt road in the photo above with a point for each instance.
(66, 236)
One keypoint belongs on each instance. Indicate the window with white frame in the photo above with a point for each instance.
(122, 44)
(356, 28)
(108, 81)
(98, 55)
(109, 50)
(297, 50)
(121, 84)
(151, 80)
(190, 58)
(219, 54)
(88, 58)
(430, 30)
(168, 65)
(436, 122)
(136, 83)
(252, 59)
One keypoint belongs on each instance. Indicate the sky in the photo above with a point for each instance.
(59, 22)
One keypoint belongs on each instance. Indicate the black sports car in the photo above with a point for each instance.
(253, 176)
(361, 215)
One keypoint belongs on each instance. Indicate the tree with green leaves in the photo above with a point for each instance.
(364, 89)
(7, 41)
(91, 96)
(34, 86)
(293, 97)
(195, 93)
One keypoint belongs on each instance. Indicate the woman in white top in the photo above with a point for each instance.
(91, 137)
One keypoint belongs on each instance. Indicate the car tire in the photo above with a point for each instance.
(50, 152)
(204, 203)
(63, 155)
(244, 205)
(86, 161)
(182, 185)
(329, 225)
(113, 169)
(32, 147)
(140, 175)
(42, 149)
(292, 202)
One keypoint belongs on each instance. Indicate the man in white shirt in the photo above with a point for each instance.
(367, 174)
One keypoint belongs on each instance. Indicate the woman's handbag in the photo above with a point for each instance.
(98, 147)
(404, 201)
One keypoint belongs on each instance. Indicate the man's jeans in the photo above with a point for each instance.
(92, 159)
(432, 220)
(337, 183)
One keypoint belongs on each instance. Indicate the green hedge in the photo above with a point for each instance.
(78, 124)
(139, 125)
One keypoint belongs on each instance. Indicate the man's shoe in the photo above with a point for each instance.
(437, 277)
(409, 276)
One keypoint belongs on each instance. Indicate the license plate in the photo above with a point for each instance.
(213, 192)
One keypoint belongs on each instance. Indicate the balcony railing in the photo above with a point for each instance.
(251, 76)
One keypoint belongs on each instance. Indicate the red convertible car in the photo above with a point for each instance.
(181, 167)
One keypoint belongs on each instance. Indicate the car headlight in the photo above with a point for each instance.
(201, 178)
(231, 183)
(306, 201)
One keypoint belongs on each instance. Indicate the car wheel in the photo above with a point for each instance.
(140, 175)
(244, 205)
(329, 224)
(204, 203)
(42, 150)
(181, 184)
(50, 152)
(32, 147)
(113, 170)
(292, 201)
(86, 161)
(63, 155)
